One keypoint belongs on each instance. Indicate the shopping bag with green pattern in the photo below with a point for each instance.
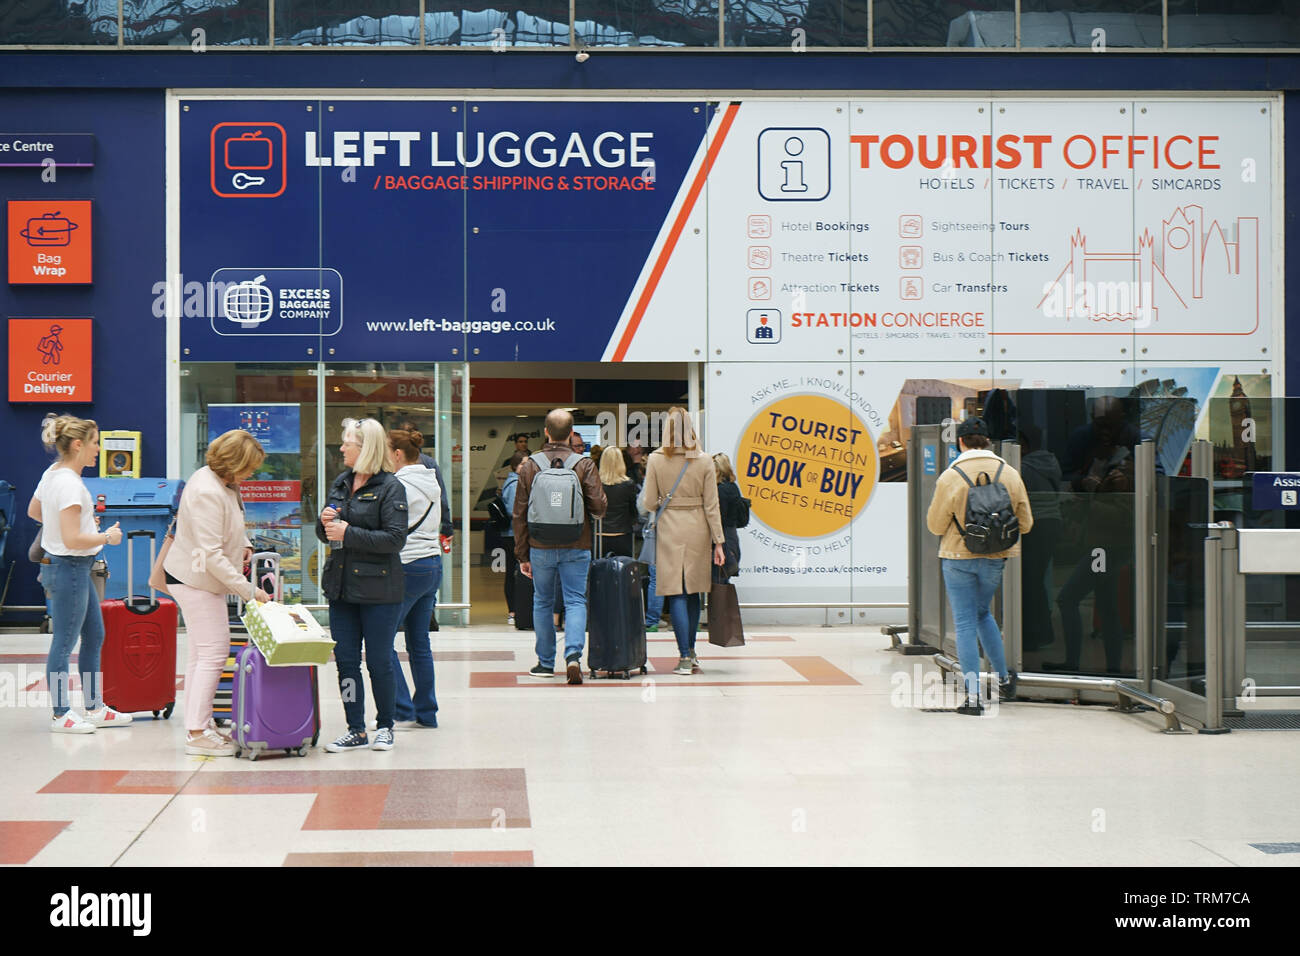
(287, 634)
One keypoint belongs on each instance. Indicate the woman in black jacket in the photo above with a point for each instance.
(734, 510)
(621, 514)
(365, 523)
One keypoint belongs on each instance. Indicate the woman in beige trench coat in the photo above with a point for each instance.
(688, 525)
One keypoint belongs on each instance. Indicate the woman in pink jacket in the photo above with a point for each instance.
(205, 564)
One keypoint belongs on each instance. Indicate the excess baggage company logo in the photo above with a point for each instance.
(794, 164)
(248, 160)
(278, 301)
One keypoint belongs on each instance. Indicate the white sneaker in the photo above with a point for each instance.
(107, 717)
(209, 744)
(71, 723)
(510, 620)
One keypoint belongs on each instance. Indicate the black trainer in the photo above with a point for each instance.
(541, 671)
(972, 707)
(1007, 688)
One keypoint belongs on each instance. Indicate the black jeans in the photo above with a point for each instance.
(375, 625)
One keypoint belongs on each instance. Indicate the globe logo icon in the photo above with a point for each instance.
(248, 303)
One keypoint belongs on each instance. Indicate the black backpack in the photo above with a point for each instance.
(991, 522)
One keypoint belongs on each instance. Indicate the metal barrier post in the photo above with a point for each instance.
(1214, 631)
(1146, 585)
(1013, 617)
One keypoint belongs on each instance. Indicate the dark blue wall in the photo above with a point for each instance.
(119, 97)
(129, 242)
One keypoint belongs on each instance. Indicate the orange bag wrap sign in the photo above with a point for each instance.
(49, 241)
(50, 360)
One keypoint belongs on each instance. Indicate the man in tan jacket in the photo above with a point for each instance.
(970, 579)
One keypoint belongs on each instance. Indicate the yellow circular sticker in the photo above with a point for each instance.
(808, 464)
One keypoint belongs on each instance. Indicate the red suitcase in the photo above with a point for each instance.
(139, 656)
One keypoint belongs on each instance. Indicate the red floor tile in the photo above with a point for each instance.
(347, 808)
(20, 840)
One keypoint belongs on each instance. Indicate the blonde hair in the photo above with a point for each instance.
(612, 469)
(679, 433)
(722, 469)
(373, 457)
(58, 432)
(234, 453)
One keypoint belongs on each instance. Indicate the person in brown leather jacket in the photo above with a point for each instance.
(567, 560)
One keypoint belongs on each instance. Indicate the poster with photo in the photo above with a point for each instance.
(273, 496)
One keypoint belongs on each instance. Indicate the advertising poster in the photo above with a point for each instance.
(821, 452)
(273, 496)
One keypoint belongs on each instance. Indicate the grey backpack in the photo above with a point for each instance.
(555, 508)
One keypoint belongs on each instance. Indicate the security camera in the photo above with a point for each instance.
(582, 56)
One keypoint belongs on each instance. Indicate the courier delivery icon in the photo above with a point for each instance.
(50, 229)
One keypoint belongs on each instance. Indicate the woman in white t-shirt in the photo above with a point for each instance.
(71, 538)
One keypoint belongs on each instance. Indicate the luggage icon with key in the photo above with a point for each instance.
(49, 229)
(250, 150)
(248, 160)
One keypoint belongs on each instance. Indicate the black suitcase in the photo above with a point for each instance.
(523, 602)
(615, 617)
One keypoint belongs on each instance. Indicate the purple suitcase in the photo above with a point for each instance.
(274, 708)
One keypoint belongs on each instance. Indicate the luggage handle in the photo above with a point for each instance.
(598, 532)
(139, 604)
(272, 557)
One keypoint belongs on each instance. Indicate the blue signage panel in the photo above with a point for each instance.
(1276, 490)
(491, 230)
(33, 149)
(565, 219)
(249, 206)
(928, 465)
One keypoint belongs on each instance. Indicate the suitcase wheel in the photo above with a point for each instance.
(252, 755)
(301, 751)
(624, 675)
(167, 711)
(644, 669)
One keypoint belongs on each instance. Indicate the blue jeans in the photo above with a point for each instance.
(654, 605)
(376, 625)
(570, 566)
(422, 580)
(74, 613)
(971, 584)
(684, 609)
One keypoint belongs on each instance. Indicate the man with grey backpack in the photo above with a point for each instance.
(980, 509)
(559, 494)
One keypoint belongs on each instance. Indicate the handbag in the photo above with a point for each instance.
(647, 555)
(36, 554)
(725, 628)
(157, 576)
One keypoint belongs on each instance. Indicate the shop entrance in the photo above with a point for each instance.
(469, 416)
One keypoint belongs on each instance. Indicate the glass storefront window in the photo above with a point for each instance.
(1095, 24)
(385, 23)
(197, 22)
(938, 23)
(539, 23)
(1233, 23)
(637, 23)
(56, 22)
(798, 24)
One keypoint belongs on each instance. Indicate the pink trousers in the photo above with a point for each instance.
(207, 629)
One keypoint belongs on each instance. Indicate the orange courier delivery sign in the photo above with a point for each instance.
(50, 360)
(49, 242)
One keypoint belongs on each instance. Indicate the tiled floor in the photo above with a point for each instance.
(798, 749)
